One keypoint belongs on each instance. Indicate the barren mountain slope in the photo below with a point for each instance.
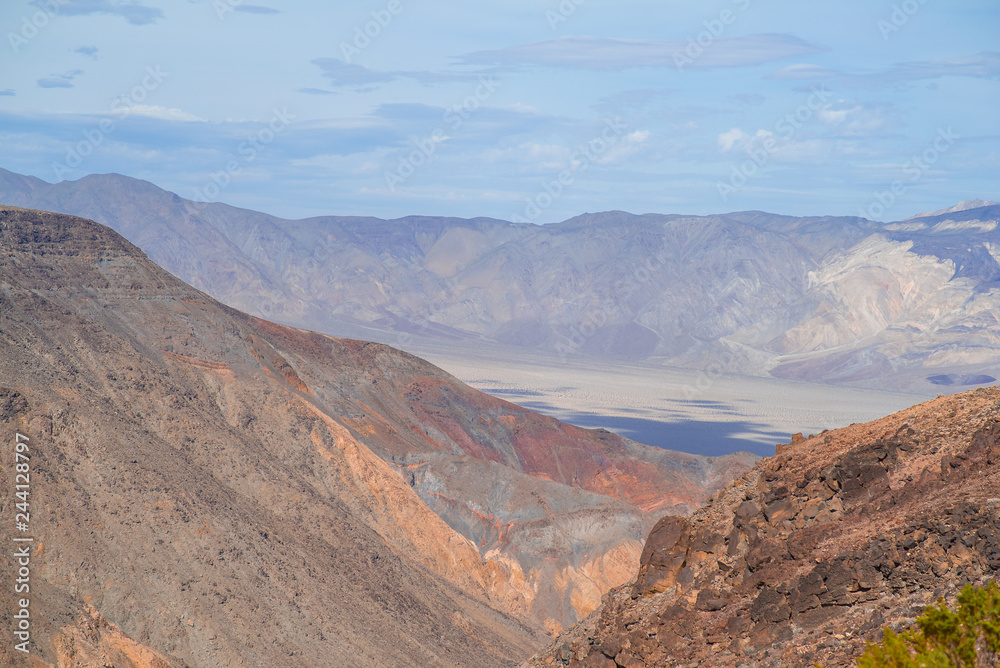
(196, 500)
(811, 554)
(916, 302)
(560, 511)
(233, 492)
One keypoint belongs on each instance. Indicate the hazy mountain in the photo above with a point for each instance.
(831, 299)
(806, 559)
(964, 205)
(212, 489)
(918, 299)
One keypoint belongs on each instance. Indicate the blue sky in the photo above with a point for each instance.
(528, 110)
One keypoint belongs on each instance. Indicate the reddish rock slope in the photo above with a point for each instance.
(563, 510)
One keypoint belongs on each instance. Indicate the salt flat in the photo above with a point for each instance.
(680, 409)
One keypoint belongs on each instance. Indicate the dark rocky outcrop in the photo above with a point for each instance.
(12, 403)
(811, 554)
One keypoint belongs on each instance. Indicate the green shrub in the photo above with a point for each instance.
(966, 638)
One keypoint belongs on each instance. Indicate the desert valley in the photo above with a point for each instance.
(219, 489)
(523, 334)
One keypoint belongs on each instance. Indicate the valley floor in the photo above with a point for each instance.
(679, 409)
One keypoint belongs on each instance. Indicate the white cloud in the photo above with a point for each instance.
(163, 113)
(735, 138)
(854, 118)
(533, 156)
(776, 148)
(832, 116)
(622, 150)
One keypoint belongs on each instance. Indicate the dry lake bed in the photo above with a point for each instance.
(671, 408)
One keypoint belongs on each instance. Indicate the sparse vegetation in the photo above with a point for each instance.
(941, 638)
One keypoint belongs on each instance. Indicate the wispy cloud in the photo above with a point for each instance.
(59, 80)
(983, 65)
(174, 131)
(635, 101)
(162, 113)
(7, 92)
(89, 51)
(351, 75)
(778, 148)
(600, 53)
(804, 71)
(134, 12)
(257, 9)
(316, 91)
(853, 118)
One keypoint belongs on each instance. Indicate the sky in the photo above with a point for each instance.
(532, 111)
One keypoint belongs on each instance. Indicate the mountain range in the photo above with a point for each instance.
(208, 488)
(909, 305)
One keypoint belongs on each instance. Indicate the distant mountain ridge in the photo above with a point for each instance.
(828, 299)
(964, 205)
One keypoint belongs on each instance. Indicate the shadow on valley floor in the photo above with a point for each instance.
(676, 432)
(699, 437)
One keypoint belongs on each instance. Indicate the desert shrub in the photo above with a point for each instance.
(968, 637)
